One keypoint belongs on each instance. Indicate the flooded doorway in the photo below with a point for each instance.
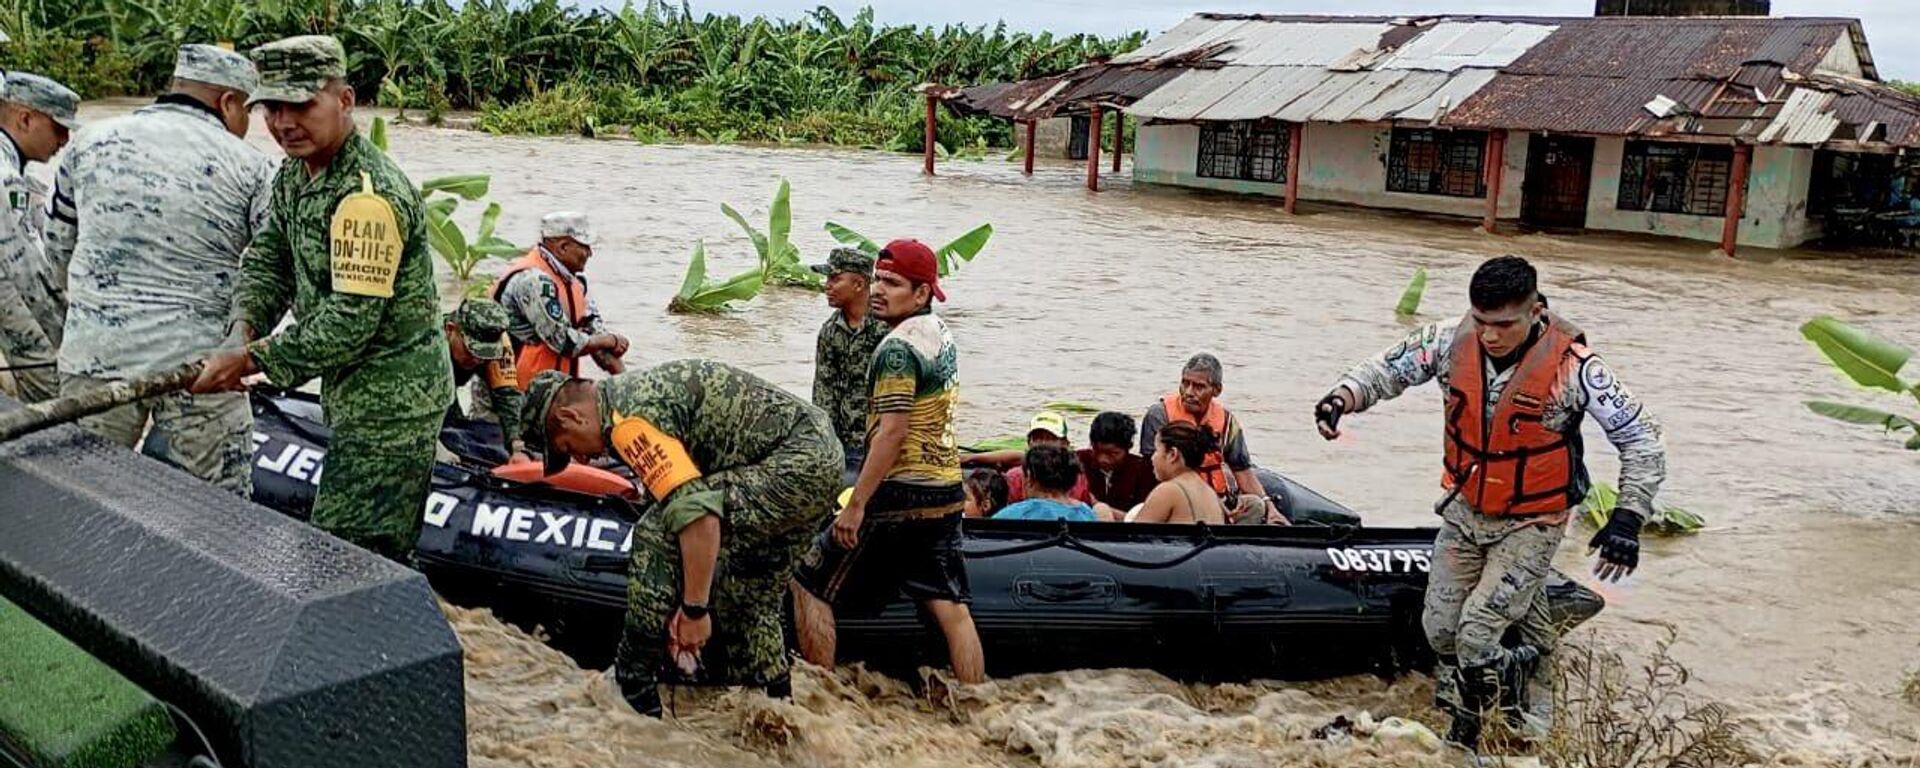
(1559, 171)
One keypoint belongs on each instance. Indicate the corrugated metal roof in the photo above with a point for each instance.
(1119, 84)
(1193, 93)
(1450, 45)
(1271, 44)
(1405, 96)
(1270, 89)
(1449, 95)
(1804, 119)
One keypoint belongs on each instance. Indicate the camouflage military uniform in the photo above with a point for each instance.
(769, 467)
(533, 302)
(842, 355)
(382, 360)
(1489, 571)
(150, 242)
(494, 387)
(31, 301)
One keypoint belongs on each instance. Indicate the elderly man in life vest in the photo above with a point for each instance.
(554, 321)
(1229, 467)
(1516, 380)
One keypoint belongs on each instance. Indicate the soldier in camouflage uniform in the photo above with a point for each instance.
(345, 248)
(151, 213)
(844, 351)
(36, 116)
(477, 338)
(742, 473)
(1518, 382)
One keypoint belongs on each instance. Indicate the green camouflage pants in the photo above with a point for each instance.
(772, 510)
(375, 483)
(1489, 574)
(209, 436)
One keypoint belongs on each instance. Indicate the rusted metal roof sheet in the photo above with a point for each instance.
(1120, 85)
(1824, 108)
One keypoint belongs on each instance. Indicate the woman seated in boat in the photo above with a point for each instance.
(1052, 470)
(1182, 496)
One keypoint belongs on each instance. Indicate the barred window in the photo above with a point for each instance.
(1431, 162)
(1243, 150)
(1675, 178)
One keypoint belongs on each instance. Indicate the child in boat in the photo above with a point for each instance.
(1183, 496)
(986, 492)
(1052, 471)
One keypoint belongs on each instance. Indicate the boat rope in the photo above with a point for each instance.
(28, 367)
(1065, 538)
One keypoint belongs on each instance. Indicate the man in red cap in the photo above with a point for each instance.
(900, 530)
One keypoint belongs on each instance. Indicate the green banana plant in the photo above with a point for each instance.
(445, 238)
(1666, 521)
(779, 258)
(1869, 361)
(1410, 300)
(962, 248)
(697, 295)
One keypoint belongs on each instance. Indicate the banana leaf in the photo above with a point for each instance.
(846, 236)
(965, 247)
(759, 240)
(496, 248)
(1068, 406)
(1416, 288)
(378, 134)
(488, 220)
(1666, 520)
(1855, 414)
(696, 295)
(1867, 359)
(469, 186)
(780, 227)
(446, 239)
(1001, 443)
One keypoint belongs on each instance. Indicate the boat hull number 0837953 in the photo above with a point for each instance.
(1380, 560)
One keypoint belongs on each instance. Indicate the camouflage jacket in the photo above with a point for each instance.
(151, 213)
(1591, 390)
(377, 358)
(31, 298)
(842, 356)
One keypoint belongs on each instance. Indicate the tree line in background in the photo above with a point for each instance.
(544, 66)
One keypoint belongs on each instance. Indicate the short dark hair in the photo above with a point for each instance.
(991, 487)
(1502, 282)
(1052, 468)
(1192, 442)
(1111, 428)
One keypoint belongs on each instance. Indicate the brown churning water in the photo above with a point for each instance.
(1797, 608)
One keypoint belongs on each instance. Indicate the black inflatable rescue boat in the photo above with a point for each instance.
(1324, 597)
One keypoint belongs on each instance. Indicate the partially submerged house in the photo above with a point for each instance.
(1744, 130)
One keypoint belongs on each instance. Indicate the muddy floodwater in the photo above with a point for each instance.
(1798, 608)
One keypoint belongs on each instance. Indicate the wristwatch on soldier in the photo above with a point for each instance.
(693, 611)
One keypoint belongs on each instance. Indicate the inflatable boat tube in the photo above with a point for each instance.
(1194, 601)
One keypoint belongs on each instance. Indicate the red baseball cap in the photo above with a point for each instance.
(914, 261)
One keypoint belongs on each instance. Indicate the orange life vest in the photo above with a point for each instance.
(1507, 462)
(533, 356)
(1213, 467)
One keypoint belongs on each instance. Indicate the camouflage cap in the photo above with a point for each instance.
(45, 96)
(533, 417)
(216, 66)
(294, 69)
(846, 259)
(567, 224)
(483, 325)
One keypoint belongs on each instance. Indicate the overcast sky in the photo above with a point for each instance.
(1893, 26)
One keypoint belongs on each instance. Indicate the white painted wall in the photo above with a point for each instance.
(1342, 163)
(1775, 213)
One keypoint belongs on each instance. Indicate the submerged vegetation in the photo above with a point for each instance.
(445, 238)
(1869, 361)
(547, 66)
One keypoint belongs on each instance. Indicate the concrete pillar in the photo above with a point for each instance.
(1736, 197)
(1093, 149)
(1295, 138)
(932, 104)
(1496, 162)
(1027, 168)
(1119, 138)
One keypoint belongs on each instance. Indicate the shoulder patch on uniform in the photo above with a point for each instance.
(365, 244)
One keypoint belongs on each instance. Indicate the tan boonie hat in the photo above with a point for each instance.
(45, 96)
(483, 325)
(216, 66)
(294, 70)
(567, 224)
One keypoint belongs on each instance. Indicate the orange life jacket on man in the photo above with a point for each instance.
(1507, 462)
(1213, 466)
(532, 356)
